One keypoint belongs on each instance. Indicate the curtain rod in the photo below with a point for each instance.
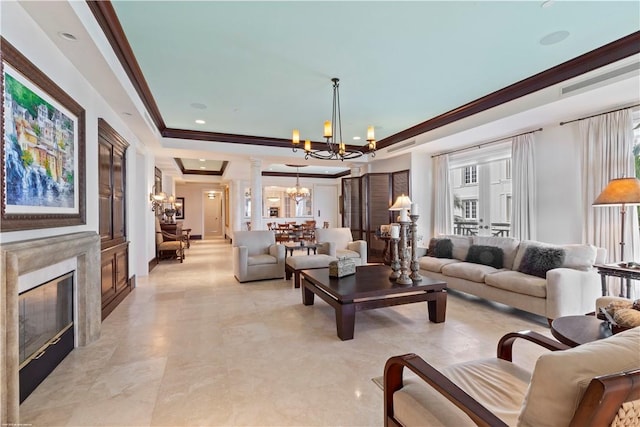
(486, 143)
(599, 114)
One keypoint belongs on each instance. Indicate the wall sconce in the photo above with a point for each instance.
(157, 201)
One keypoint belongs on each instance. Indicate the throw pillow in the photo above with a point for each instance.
(440, 248)
(486, 255)
(537, 260)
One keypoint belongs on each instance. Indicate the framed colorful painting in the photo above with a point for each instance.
(43, 149)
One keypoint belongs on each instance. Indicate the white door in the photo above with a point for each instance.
(325, 205)
(212, 215)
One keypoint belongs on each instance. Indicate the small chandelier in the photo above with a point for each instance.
(298, 193)
(334, 150)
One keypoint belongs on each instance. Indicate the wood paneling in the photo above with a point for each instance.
(366, 202)
(113, 228)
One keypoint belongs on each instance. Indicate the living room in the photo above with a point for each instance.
(101, 86)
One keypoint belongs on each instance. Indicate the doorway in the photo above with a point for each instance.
(212, 214)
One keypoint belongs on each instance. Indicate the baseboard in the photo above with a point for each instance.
(132, 282)
(195, 237)
(152, 264)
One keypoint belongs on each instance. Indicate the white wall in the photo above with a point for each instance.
(40, 50)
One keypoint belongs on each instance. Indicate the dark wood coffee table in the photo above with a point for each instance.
(370, 288)
(577, 330)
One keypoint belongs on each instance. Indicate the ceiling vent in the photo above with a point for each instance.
(599, 80)
(401, 146)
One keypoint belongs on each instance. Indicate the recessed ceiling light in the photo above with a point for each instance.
(202, 167)
(553, 38)
(202, 160)
(356, 138)
(198, 106)
(67, 36)
(547, 3)
(200, 121)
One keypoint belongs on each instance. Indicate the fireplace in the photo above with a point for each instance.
(46, 332)
(40, 261)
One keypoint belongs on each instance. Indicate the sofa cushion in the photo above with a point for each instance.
(261, 259)
(440, 248)
(500, 386)
(508, 245)
(460, 245)
(434, 264)
(577, 256)
(486, 255)
(561, 377)
(468, 270)
(517, 282)
(537, 260)
(345, 253)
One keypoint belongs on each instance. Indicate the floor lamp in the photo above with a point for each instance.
(621, 192)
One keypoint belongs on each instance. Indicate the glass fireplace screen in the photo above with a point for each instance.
(44, 313)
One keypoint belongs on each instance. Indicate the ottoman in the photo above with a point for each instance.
(296, 263)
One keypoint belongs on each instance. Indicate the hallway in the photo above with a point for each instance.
(192, 346)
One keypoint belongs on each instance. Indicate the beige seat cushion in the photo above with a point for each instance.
(520, 283)
(434, 264)
(300, 262)
(561, 377)
(261, 259)
(498, 385)
(346, 253)
(170, 245)
(468, 271)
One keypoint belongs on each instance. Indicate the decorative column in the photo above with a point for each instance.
(415, 266)
(404, 278)
(256, 194)
(395, 261)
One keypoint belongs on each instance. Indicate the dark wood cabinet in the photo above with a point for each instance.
(112, 150)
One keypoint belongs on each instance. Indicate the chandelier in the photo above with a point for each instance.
(335, 150)
(298, 193)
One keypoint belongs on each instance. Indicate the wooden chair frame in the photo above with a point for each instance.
(171, 237)
(598, 406)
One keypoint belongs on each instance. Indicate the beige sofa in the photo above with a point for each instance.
(339, 243)
(256, 256)
(569, 289)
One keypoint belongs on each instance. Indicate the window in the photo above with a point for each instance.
(471, 175)
(481, 186)
(470, 208)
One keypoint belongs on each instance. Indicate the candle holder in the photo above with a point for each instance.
(395, 262)
(404, 278)
(415, 266)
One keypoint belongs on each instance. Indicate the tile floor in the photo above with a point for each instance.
(191, 346)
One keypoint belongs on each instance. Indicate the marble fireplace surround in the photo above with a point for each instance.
(19, 258)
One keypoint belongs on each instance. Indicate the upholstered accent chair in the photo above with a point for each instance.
(595, 384)
(339, 243)
(167, 242)
(256, 256)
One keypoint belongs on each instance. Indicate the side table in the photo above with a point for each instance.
(615, 270)
(576, 330)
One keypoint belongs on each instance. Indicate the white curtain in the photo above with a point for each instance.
(523, 220)
(442, 196)
(607, 153)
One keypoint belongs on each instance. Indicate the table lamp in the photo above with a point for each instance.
(621, 192)
(402, 204)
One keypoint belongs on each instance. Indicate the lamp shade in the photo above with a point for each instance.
(402, 202)
(620, 191)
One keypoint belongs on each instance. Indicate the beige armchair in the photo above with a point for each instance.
(256, 256)
(339, 243)
(167, 242)
(595, 384)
